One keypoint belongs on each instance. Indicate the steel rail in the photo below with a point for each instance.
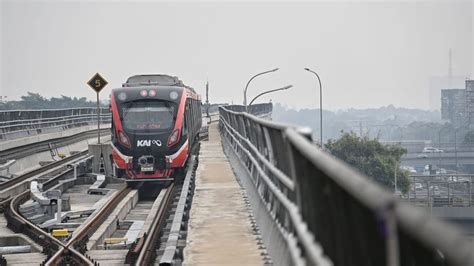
(169, 254)
(80, 238)
(23, 225)
(146, 247)
(5, 202)
(91, 226)
(18, 179)
(41, 146)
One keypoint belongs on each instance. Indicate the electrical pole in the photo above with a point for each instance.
(207, 99)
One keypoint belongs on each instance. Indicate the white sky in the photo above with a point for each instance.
(368, 54)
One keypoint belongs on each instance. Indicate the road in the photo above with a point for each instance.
(443, 158)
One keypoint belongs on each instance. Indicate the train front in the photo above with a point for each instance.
(147, 139)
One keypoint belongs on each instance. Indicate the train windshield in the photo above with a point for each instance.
(149, 115)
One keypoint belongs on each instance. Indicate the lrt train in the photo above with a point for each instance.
(155, 123)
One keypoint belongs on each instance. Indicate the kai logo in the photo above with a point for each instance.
(148, 143)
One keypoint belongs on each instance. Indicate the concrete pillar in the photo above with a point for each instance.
(106, 150)
(58, 215)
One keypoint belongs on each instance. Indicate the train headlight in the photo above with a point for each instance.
(174, 138)
(142, 160)
(152, 93)
(122, 96)
(123, 139)
(173, 95)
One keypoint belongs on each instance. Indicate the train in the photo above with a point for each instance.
(156, 121)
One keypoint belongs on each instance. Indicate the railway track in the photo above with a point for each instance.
(72, 252)
(21, 178)
(161, 242)
(172, 210)
(19, 224)
(77, 243)
(42, 146)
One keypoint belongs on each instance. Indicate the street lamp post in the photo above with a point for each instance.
(455, 146)
(270, 91)
(396, 186)
(320, 105)
(439, 135)
(246, 87)
(439, 143)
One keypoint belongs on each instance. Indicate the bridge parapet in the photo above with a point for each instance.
(255, 109)
(326, 212)
(23, 123)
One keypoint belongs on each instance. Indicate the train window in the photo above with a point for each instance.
(185, 127)
(149, 115)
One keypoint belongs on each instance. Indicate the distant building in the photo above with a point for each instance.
(438, 83)
(453, 105)
(457, 105)
(470, 101)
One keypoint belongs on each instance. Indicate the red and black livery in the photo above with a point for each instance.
(155, 121)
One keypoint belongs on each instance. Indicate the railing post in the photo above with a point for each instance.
(393, 254)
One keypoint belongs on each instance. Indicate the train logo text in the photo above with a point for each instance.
(148, 143)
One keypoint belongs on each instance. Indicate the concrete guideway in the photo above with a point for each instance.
(219, 231)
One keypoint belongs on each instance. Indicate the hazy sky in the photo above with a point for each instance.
(368, 54)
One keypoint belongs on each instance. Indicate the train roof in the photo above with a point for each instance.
(155, 80)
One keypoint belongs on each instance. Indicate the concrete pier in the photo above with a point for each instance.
(219, 231)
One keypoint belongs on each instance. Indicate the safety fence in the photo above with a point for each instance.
(22, 123)
(326, 212)
(255, 109)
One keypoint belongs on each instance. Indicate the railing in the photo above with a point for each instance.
(325, 209)
(255, 109)
(23, 123)
(443, 190)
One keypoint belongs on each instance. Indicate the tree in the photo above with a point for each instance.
(469, 137)
(376, 160)
(36, 101)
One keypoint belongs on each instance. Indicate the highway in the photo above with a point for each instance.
(441, 158)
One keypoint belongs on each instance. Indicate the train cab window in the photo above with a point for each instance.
(149, 115)
(185, 127)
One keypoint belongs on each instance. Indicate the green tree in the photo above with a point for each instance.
(36, 101)
(376, 160)
(469, 137)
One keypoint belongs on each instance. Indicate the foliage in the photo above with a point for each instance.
(469, 137)
(371, 157)
(36, 101)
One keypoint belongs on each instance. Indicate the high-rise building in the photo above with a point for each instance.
(470, 101)
(438, 83)
(457, 105)
(453, 105)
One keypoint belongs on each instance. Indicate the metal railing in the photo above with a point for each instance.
(443, 190)
(326, 211)
(22, 123)
(255, 109)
